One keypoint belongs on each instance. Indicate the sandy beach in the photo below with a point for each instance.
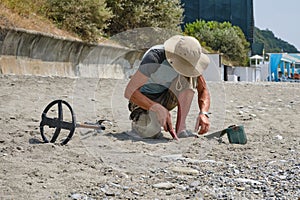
(117, 165)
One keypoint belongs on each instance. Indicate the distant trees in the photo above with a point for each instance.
(91, 18)
(86, 18)
(221, 37)
(271, 43)
(130, 14)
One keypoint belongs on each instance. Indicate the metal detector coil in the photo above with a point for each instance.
(59, 123)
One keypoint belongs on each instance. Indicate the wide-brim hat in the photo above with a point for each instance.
(185, 55)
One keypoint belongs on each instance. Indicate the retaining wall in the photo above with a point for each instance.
(32, 53)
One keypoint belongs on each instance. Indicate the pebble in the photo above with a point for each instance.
(164, 186)
(195, 183)
(240, 188)
(184, 170)
(245, 180)
(278, 137)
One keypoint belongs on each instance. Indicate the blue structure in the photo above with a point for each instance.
(237, 12)
(289, 65)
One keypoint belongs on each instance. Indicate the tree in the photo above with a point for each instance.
(87, 18)
(271, 43)
(221, 37)
(131, 14)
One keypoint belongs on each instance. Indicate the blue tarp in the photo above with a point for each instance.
(290, 62)
(275, 60)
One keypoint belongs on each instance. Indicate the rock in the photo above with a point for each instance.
(19, 148)
(173, 157)
(184, 170)
(164, 186)
(76, 196)
(136, 193)
(195, 184)
(245, 180)
(278, 137)
(240, 188)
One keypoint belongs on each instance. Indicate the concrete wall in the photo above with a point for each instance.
(33, 53)
(214, 71)
(24, 52)
(251, 74)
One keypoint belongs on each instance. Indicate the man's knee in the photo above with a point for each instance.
(147, 125)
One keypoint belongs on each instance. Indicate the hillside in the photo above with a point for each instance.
(272, 44)
(32, 22)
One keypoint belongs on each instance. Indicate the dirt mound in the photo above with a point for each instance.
(10, 19)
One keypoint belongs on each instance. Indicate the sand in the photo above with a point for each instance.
(117, 165)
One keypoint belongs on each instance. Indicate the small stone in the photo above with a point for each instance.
(173, 157)
(256, 192)
(195, 184)
(136, 193)
(282, 177)
(19, 148)
(76, 196)
(185, 170)
(278, 137)
(245, 180)
(126, 188)
(164, 186)
(109, 193)
(240, 188)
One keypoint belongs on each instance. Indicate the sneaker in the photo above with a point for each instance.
(186, 133)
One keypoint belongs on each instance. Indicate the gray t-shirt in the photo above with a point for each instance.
(155, 66)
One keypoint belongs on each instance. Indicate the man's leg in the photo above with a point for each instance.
(185, 99)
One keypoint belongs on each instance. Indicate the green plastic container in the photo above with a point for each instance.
(236, 134)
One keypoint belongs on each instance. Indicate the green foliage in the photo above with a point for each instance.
(221, 37)
(87, 18)
(24, 7)
(131, 14)
(271, 43)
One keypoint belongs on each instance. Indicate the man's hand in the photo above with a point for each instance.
(203, 122)
(163, 116)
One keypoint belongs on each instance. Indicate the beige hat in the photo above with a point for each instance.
(184, 53)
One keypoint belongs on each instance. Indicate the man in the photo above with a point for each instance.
(167, 77)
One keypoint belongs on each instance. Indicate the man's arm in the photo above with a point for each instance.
(133, 93)
(203, 95)
(204, 104)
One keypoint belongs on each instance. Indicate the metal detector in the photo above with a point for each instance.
(59, 123)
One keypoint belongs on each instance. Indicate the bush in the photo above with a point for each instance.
(131, 14)
(87, 18)
(221, 37)
(24, 7)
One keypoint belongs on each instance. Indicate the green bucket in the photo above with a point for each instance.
(236, 134)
